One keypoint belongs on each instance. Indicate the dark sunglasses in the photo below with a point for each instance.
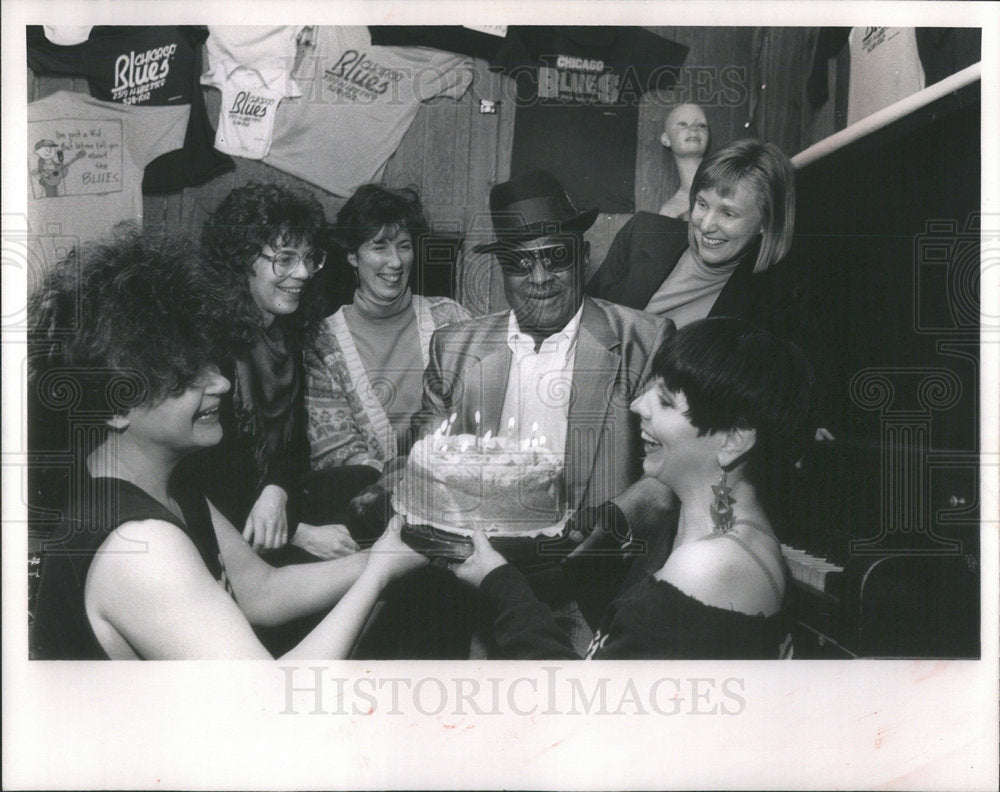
(558, 258)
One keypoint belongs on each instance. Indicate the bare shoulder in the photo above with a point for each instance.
(148, 551)
(149, 594)
(720, 572)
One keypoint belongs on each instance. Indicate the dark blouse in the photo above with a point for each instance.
(61, 630)
(253, 452)
(648, 619)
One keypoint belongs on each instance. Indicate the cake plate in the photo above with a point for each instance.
(525, 552)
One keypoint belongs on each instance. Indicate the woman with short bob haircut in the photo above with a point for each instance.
(145, 567)
(742, 217)
(725, 414)
(765, 169)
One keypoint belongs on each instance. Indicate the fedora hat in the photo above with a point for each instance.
(531, 206)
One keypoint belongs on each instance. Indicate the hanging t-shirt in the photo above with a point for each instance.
(357, 102)
(86, 158)
(482, 41)
(155, 66)
(885, 67)
(577, 97)
(251, 66)
(67, 34)
(268, 49)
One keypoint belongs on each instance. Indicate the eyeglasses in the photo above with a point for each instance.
(284, 262)
(522, 262)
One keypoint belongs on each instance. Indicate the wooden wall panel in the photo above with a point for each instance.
(715, 77)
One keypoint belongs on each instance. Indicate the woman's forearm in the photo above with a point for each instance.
(333, 637)
(300, 589)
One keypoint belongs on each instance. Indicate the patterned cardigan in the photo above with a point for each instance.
(346, 424)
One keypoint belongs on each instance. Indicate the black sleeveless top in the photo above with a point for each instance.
(61, 629)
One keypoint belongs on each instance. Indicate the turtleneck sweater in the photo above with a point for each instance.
(388, 343)
(691, 289)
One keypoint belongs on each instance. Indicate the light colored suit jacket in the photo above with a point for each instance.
(469, 368)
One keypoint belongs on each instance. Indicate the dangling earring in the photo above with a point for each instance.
(722, 505)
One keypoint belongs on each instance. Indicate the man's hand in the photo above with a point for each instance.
(325, 541)
(266, 527)
(484, 559)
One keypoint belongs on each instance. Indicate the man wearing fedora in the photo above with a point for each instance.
(557, 365)
(569, 363)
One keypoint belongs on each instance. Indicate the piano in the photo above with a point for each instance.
(891, 591)
(882, 532)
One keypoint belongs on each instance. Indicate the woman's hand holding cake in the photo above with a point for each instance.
(390, 557)
(484, 559)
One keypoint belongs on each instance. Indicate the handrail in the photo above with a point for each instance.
(887, 115)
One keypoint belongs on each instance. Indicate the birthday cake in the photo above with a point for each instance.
(460, 483)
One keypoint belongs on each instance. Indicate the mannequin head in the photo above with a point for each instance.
(685, 131)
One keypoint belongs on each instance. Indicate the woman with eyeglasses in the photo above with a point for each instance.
(262, 241)
(364, 375)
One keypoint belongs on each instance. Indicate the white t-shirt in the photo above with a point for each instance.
(251, 66)
(86, 158)
(357, 102)
(885, 67)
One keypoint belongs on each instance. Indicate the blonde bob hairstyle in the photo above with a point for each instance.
(764, 168)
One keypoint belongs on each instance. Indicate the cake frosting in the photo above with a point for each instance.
(460, 483)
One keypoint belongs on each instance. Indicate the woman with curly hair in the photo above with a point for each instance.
(145, 567)
(262, 243)
(365, 374)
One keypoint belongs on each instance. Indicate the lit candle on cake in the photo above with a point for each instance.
(510, 427)
(486, 438)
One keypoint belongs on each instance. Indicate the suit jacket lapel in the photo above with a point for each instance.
(595, 370)
(486, 380)
(489, 379)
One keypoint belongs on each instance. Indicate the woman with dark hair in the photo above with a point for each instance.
(262, 244)
(365, 371)
(742, 215)
(727, 407)
(145, 567)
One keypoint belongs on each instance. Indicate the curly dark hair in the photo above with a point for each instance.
(127, 321)
(251, 217)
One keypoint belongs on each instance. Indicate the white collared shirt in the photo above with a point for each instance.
(540, 384)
